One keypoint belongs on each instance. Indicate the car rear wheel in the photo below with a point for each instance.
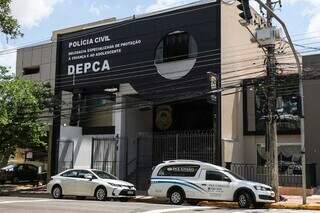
(15, 180)
(101, 194)
(244, 199)
(56, 192)
(176, 197)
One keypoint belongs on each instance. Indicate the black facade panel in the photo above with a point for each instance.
(132, 46)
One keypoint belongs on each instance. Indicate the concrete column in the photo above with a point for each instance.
(120, 133)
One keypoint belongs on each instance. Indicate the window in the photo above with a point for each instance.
(289, 158)
(176, 46)
(216, 176)
(288, 105)
(179, 170)
(31, 70)
(82, 173)
(104, 175)
(32, 168)
(72, 173)
(20, 168)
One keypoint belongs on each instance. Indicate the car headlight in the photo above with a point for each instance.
(115, 185)
(261, 188)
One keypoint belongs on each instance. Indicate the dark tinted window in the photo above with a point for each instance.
(179, 170)
(72, 173)
(216, 176)
(20, 168)
(30, 71)
(32, 168)
(176, 47)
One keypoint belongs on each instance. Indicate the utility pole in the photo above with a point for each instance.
(303, 154)
(271, 120)
(267, 35)
(214, 97)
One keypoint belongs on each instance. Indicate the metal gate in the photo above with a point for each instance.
(154, 148)
(66, 153)
(189, 145)
(104, 154)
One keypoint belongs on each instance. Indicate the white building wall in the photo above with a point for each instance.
(82, 145)
(240, 59)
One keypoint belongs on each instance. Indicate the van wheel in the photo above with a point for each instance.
(176, 197)
(244, 200)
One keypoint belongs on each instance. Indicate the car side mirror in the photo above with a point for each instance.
(226, 179)
(88, 176)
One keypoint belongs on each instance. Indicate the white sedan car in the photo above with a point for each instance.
(90, 183)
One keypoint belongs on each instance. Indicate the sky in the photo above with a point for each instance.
(38, 18)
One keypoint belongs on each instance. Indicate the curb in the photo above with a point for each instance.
(294, 206)
(233, 205)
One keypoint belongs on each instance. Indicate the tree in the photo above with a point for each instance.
(8, 24)
(22, 103)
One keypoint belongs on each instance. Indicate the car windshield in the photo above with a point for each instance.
(235, 175)
(104, 175)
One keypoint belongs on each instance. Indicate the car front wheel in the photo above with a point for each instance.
(101, 194)
(244, 200)
(56, 192)
(176, 197)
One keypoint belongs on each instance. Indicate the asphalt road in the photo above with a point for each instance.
(38, 205)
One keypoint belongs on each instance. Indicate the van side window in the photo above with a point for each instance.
(179, 170)
(216, 176)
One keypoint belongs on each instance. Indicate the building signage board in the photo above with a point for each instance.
(128, 52)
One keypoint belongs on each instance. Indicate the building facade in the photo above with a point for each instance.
(312, 114)
(135, 91)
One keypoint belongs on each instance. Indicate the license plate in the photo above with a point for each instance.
(130, 192)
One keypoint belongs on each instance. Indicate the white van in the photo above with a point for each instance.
(181, 180)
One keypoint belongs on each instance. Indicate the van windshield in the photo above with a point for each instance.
(234, 175)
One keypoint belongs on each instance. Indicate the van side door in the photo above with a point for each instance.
(217, 185)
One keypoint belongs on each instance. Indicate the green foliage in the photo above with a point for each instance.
(4, 73)
(22, 103)
(8, 24)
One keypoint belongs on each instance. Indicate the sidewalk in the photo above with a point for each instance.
(24, 190)
(295, 202)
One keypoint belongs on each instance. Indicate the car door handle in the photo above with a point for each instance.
(203, 184)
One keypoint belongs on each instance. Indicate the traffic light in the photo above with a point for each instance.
(245, 8)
